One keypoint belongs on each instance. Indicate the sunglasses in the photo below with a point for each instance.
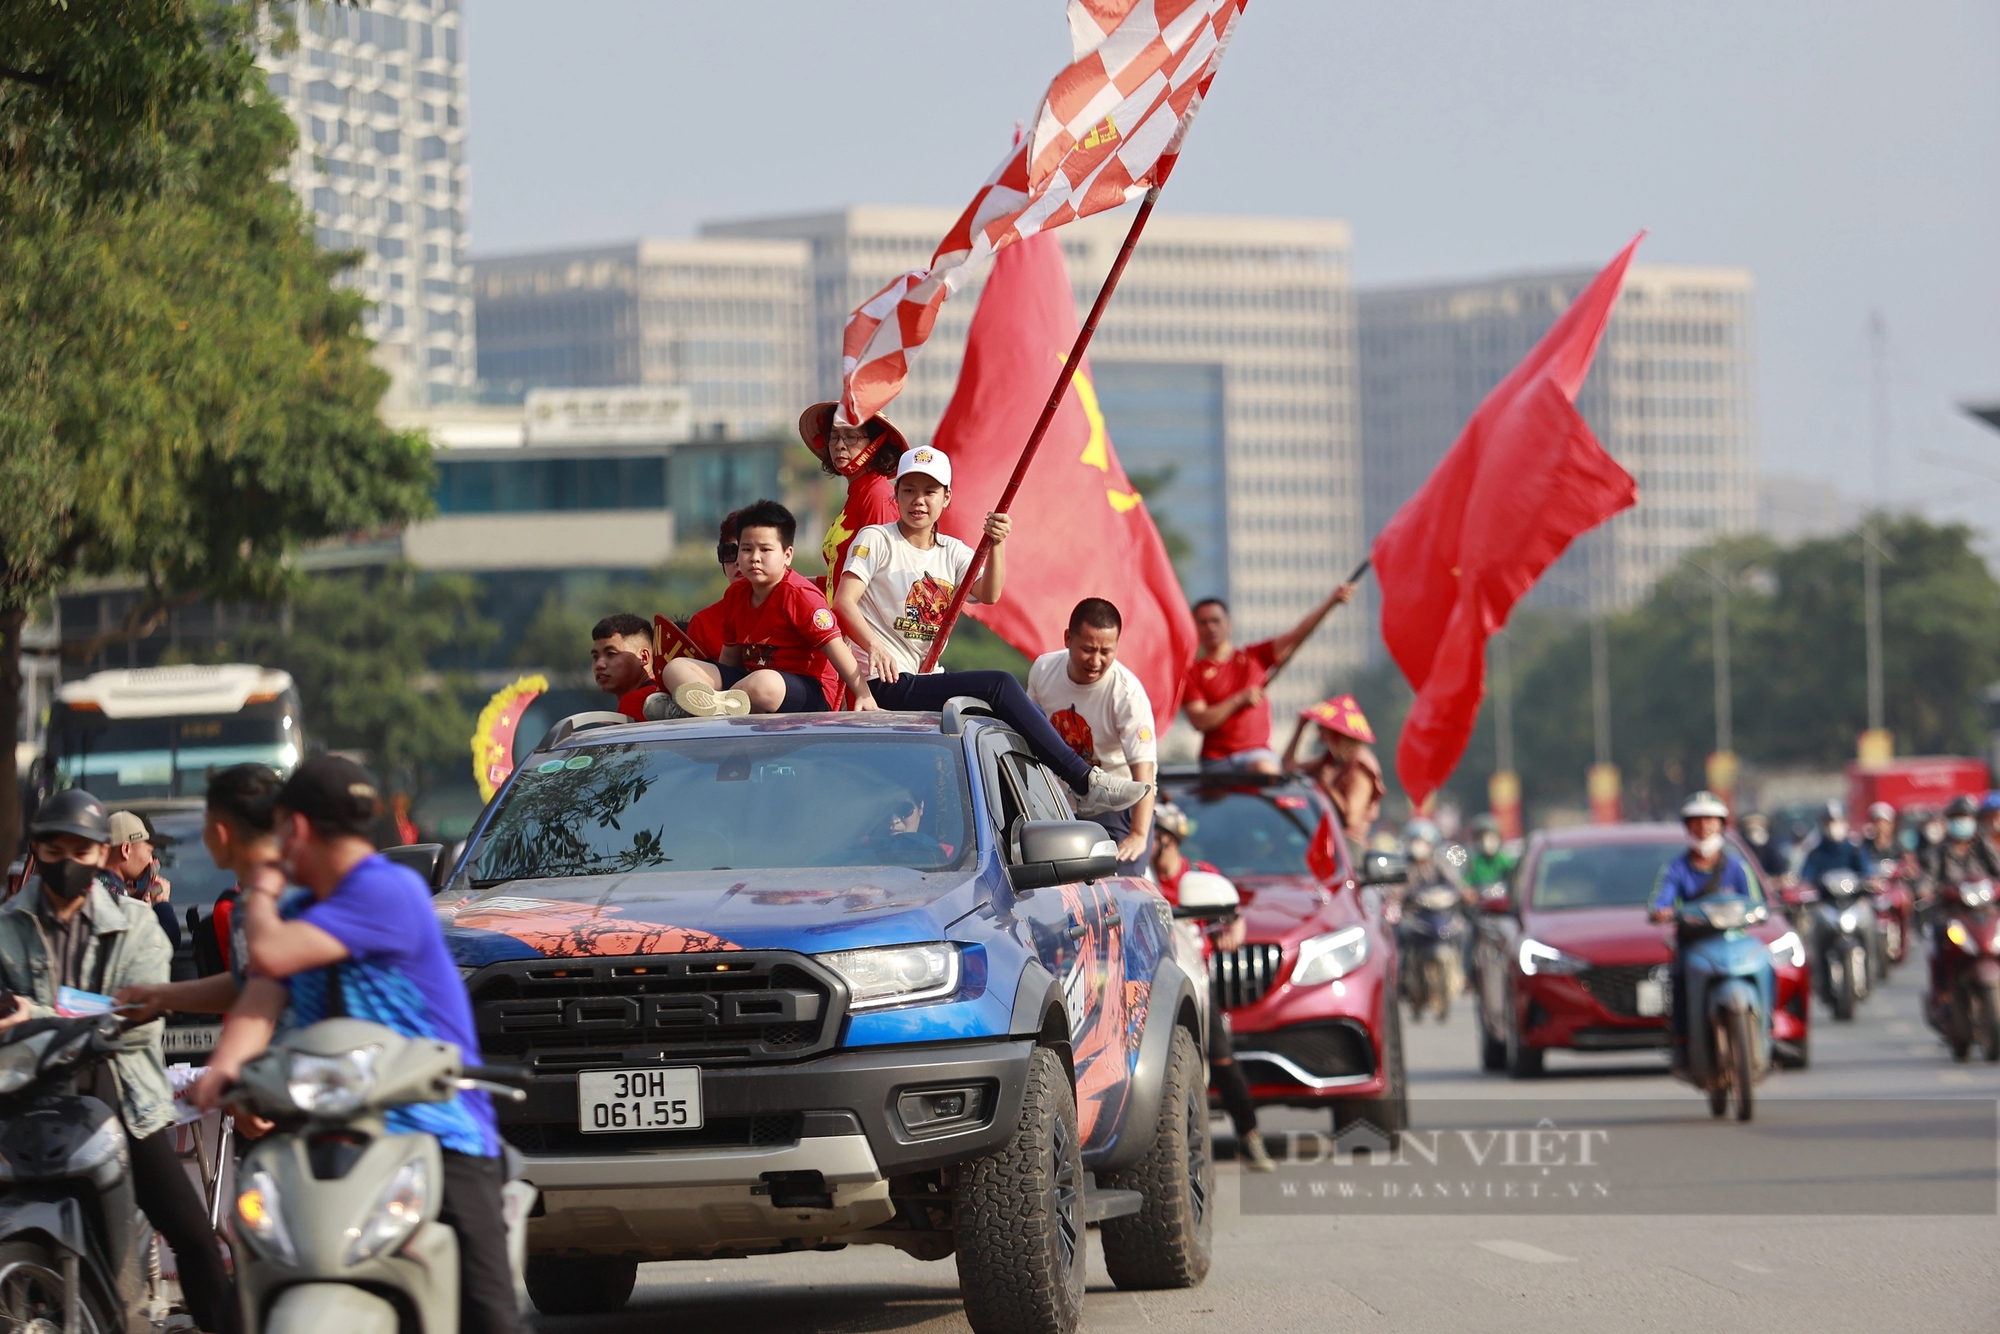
(725, 552)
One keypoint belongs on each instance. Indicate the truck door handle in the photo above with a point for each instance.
(1078, 932)
(1115, 919)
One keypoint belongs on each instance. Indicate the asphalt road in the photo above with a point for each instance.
(1640, 1261)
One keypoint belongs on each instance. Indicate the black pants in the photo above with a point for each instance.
(912, 693)
(1225, 1073)
(471, 1208)
(170, 1202)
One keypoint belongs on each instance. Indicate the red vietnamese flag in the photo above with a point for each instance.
(1524, 479)
(1080, 529)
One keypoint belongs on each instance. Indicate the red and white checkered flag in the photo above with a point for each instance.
(1110, 127)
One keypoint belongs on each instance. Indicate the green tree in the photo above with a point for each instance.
(185, 397)
(360, 645)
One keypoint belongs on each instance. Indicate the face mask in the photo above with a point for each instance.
(1963, 827)
(1933, 832)
(65, 879)
(1489, 844)
(1758, 837)
(1837, 831)
(1706, 847)
(1420, 850)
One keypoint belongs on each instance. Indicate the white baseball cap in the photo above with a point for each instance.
(932, 463)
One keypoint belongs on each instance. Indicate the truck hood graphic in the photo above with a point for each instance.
(681, 912)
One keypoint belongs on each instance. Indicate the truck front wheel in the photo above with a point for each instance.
(1019, 1215)
(1167, 1244)
(564, 1285)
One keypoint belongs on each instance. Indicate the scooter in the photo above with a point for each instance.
(1964, 1003)
(1843, 937)
(338, 1217)
(1895, 913)
(1432, 945)
(1729, 987)
(73, 1244)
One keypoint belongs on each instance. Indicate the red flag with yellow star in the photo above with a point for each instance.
(1080, 530)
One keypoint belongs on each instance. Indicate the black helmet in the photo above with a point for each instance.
(72, 811)
(1961, 806)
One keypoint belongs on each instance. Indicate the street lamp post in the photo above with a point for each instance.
(1871, 553)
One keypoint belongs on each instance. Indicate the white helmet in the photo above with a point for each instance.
(1704, 803)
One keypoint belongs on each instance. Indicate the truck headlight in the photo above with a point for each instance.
(1331, 956)
(896, 974)
(1535, 957)
(1788, 948)
(332, 1086)
(396, 1215)
(258, 1210)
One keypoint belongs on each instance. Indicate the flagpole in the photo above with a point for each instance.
(1353, 578)
(1063, 378)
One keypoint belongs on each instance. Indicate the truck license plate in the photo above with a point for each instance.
(1651, 998)
(612, 1100)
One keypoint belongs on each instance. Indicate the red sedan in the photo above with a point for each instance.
(1311, 993)
(1567, 959)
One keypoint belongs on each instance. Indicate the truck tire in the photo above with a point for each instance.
(1169, 1243)
(1389, 1111)
(1019, 1217)
(566, 1285)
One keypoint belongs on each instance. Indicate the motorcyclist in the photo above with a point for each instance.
(1941, 867)
(1756, 828)
(1421, 841)
(1830, 849)
(1878, 836)
(1705, 869)
(72, 927)
(1989, 820)
(1489, 863)
(1171, 827)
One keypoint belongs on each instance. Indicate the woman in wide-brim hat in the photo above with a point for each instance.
(1348, 771)
(866, 456)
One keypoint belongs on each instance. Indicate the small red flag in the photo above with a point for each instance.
(1525, 478)
(1080, 530)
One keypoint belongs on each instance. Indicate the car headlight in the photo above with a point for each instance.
(896, 974)
(1788, 948)
(1330, 957)
(1535, 957)
(257, 1209)
(1848, 919)
(332, 1086)
(396, 1215)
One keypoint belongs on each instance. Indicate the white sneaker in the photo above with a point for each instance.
(1108, 792)
(1256, 1158)
(698, 701)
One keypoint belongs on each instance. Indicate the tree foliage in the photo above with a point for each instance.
(185, 397)
(1798, 679)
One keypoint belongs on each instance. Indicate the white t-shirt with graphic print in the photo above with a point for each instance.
(1109, 722)
(907, 591)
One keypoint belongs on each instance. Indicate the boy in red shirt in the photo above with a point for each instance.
(621, 661)
(1224, 693)
(782, 651)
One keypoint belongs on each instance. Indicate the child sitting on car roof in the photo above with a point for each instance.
(782, 651)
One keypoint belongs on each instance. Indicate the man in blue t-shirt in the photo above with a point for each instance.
(365, 944)
(1705, 869)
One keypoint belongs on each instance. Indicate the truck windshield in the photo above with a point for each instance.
(745, 802)
(1609, 875)
(130, 759)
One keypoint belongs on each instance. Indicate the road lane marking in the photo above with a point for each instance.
(1526, 1254)
(1899, 1027)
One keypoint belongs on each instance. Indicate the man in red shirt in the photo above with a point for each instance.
(1224, 693)
(704, 628)
(621, 661)
(782, 651)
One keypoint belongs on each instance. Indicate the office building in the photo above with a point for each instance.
(728, 320)
(379, 96)
(1671, 396)
(1224, 368)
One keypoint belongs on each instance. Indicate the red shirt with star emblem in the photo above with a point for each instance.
(1210, 682)
(705, 629)
(787, 634)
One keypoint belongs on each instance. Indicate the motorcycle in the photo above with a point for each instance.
(338, 1217)
(1431, 941)
(1895, 913)
(1729, 986)
(1843, 938)
(73, 1245)
(1964, 1003)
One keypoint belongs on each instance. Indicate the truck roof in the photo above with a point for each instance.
(160, 692)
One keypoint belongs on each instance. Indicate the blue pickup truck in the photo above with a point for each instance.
(803, 981)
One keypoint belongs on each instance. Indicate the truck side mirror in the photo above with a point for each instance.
(1061, 852)
(426, 859)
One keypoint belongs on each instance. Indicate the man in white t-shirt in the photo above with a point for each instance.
(891, 599)
(1100, 708)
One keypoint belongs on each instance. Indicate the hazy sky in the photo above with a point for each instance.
(1847, 154)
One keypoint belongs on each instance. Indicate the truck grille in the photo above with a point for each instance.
(1616, 987)
(558, 1015)
(1243, 975)
(724, 1132)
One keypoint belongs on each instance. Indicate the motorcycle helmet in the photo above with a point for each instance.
(1833, 810)
(1704, 804)
(1420, 837)
(1990, 802)
(72, 811)
(1172, 820)
(1882, 812)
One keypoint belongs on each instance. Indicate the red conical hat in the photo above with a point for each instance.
(1341, 714)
